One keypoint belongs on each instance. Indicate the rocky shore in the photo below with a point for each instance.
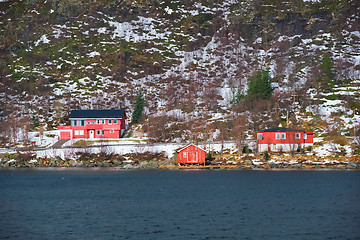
(150, 160)
(167, 164)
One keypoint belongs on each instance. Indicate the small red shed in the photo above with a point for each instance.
(190, 154)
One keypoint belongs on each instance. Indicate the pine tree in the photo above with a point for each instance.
(327, 79)
(327, 65)
(139, 107)
(259, 86)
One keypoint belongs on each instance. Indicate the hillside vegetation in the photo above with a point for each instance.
(194, 62)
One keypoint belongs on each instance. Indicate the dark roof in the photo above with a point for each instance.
(108, 113)
(281, 129)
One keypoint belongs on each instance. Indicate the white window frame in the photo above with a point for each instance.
(112, 131)
(110, 121)
(305, 136)
(82, 123)
(184, 154)
(114, 121)
(81, 132)
(297, 135)
(103, 121)
(98, 132)
(97, 121)
(277, 135)
(283, 135)
(260, 136)
(75, 123)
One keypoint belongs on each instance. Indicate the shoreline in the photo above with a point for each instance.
(278, 167)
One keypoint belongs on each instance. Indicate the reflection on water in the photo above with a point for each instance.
(99, 203)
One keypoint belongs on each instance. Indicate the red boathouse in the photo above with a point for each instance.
(94, 124)
(281, 139)
(190, 154)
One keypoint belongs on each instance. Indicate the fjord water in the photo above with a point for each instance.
(119, 204)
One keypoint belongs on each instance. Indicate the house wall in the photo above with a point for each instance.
(290, 143)
(190, 152)
(101, 128)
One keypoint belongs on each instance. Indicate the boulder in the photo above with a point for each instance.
(149, 164)
(352, 165)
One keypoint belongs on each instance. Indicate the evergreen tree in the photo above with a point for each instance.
(327, 66)
(259, 86)
(139, 107)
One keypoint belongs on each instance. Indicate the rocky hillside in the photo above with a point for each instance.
(191, 59)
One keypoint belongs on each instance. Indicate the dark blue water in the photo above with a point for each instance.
(103, 204)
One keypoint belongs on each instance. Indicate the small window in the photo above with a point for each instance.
(93, 123)
(98, 121)
(75, 122)
(283, 136)
(277, 136)
(115, 121)
(82, 123)
(110, 122)
(305, 136)
(111, 131)
(103, 121)
(297, 135)
(76, 132)
(97, 132)
(81, 132)
(102, 132)
(184, 154)
(259, 136)
(88, 123)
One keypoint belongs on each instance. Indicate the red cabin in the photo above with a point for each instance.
(94, 124)
(281, 139)
(190, 154)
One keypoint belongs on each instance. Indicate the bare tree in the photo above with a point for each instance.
(238, 132)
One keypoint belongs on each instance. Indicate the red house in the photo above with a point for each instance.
(283, 139)
(190, 154)
(94, 124)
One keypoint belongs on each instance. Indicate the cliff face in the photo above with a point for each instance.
(187, 56)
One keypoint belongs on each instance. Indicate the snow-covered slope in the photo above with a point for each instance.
(188, 57)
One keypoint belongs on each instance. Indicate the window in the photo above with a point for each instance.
(283, 136)
(102, 132)
(93, 123)
(82, 123)
(75, 122)
(259, 136)
(103, 121)
(79, 132)
(97, 132)
(297, 135)
(111, 131)
(305, 136)
(110, 122)
(184, 154)
(277, 136)
(115, 121)
(98, 121)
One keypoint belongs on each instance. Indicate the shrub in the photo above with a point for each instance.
(357, 151)
(266, 156)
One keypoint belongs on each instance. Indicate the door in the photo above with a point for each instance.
(192, 157)
(91, 134)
